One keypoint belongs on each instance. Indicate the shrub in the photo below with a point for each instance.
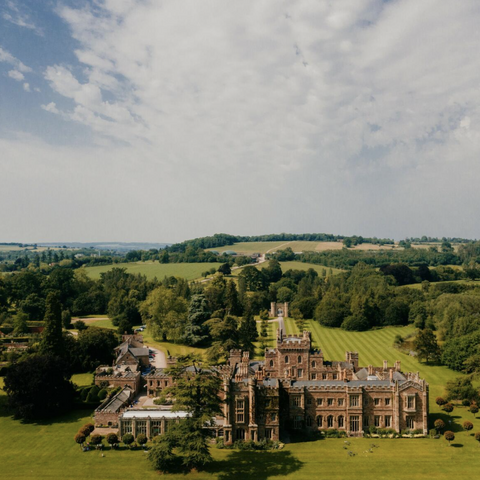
(466, 402)
(128, 439)
(112, 438)
(448, 407)
(439, 424)
(142, 439)
(440, 401)
(449, 436)
(102, 394)
(467, 425)
(85, 431)
(90, 426)
(474, 408)
(477, 436)
(80, 438)
(96, 439)
(80, 325)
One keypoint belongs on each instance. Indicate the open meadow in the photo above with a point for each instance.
(189, 271)
(47, 451)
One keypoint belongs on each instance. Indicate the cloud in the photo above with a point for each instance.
(17, 17)
(320, 116)
(9, 58)
(26, 87)
(16, 75)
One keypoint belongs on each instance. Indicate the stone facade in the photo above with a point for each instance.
(279, 309)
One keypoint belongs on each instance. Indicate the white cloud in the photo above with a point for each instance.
(323, 116)
(19, 18)
(9, 58)
(16, 75)
(26, 87)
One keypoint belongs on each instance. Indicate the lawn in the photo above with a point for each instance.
(190, 271)
(82, 379)
(47, 450)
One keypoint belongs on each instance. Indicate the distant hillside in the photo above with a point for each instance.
(115, 246)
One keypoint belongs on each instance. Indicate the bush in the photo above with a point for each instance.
(477, 436)
(467, 425)
(449, 436)
(96, 439)
(80, 438)
(80, 325)
(112, 438)
(466, 402)
(128, 439)
(440, 401)
(102, 394)
(90, 426)
(142, 439)
(439, 424)
(448, 407)
(85, 431)
(474, 408)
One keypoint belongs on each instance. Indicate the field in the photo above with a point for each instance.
(304, 266)
(47, 450)
(190, 271)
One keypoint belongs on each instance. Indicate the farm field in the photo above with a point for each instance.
(190, 271)
(304, 266)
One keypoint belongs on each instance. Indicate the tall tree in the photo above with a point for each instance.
(52, 339)
(195, 391)
(426, 346)
(198, 313)
(232, 300)
(248, 331)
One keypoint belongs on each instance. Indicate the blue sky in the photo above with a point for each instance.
(160, 120)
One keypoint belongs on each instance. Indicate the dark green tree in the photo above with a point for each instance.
(248, 332)
(225, 269)
(52, 338)
(196, 331)
(39, 387)
(426, 346)
(233, 305)
(225, 335)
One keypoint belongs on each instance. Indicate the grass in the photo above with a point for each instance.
(305, 266)
(170, 348)
(190, 271)
(47, 451)
(82, 379)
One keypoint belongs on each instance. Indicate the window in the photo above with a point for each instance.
(286, 359)
(240, 418)
(341, 421)
(268, 433)
(155, 428)
(324, 376)
(340, 402)
(271, 363)
(320, 421)
(330, 402)
(127, 427)
(240, 434)
(411, 402)
(240, 404)
(300, 372)
(377, 419)
(330, 421)
(309, 401)
(273, 417)
(309, 421)
(314, 364)
(354, 400)
(319, 402)
(166, 383)
(141, 427)
(365, 401)
(314, 376)
(376, 401)
(335, 376)
(354, 423)
(297, 422)
(388, 421)
(296, 401)
(410, 422)
(387, 402)
(299, 359)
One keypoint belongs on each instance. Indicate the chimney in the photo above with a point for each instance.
(370, 370)
(391, 375)
(385, 362)
(397, 365)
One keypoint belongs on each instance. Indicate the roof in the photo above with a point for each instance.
(139, 352)
(153, 414)
(117, 402)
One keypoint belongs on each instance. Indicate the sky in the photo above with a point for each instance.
(163, 120)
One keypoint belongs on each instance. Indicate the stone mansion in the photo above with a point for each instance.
(295, 389)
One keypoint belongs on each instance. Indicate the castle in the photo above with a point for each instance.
(296, 389)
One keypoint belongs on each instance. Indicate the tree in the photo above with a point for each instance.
(224, 332)
(426, 346)
(467, 425)
(448, 407)
(477, 436)
(273, 271)
(233, 305)
(248, 331)
(439, 424)
(461, 388)
(440, 401)
(66, 319)
(449, 436)
(194, 390)
(39, 387)
(52, 339)
(474, 409)
(198, 313)
(20, 323)
(96, 439)
(80, 438)
(112, 439)
(225, 269)
(128, 439)
(142, 439)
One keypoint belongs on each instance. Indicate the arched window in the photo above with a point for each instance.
(271, 363)
(341, 421)
(330, 421)
(286, 359)
(319, 421)
(314, 364)
(299, 359)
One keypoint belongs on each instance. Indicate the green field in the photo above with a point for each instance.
(304, 266)
(190, 271)
(47, 450)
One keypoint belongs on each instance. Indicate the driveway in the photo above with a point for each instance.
(159, 360)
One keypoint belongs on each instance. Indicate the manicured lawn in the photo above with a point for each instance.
(170, 348)
(82, 379)
(190, 271)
